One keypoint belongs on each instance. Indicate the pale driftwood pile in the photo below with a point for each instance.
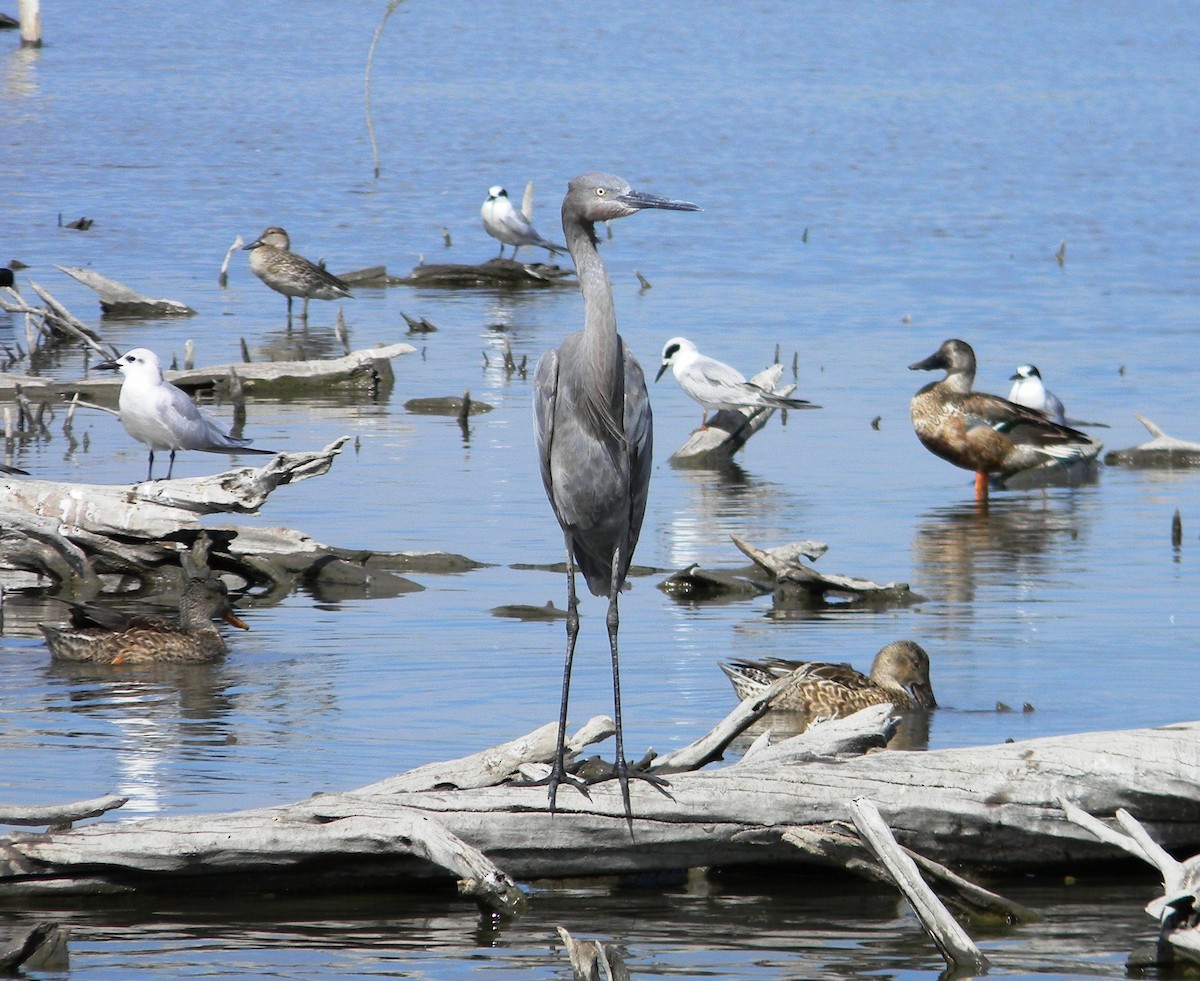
(1177, 910)
(994, 807)
(78, 534)
(793, 583)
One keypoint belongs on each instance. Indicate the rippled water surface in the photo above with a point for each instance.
(875, 178)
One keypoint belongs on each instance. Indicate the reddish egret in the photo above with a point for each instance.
(986, 433)
(716, 385)
(272, 261)
(507, 224)
(594, 431)
(157, 413)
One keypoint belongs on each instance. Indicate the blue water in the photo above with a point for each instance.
(875, 178)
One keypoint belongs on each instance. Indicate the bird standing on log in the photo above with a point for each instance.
(716, 385)
(509, 226)
(594, 433)
(162, 415)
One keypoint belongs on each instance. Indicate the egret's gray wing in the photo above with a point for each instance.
(545, 395)
(639, 440)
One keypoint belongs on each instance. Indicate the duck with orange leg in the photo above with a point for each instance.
(986, 433)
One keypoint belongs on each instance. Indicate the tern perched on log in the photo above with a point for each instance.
(163, 416)
(509, 226)
(716, 385)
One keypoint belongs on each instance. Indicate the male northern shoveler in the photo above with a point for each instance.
(107, 636)
(987, 433)
(899, 675)
(272, 261)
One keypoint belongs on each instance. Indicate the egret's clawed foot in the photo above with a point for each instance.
(559, 775)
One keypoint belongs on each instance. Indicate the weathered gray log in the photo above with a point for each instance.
(493, 273)
(957, 948)
(593, 960)
(795, 581)
(730, 429)
(77, 532)
(1176, 910)
(987, 807)
(366, 368)
(1161, 451)
(59, 815)
(118, 300)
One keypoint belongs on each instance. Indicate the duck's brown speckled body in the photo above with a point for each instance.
(286, 272)
(899, 675)
(103, 636)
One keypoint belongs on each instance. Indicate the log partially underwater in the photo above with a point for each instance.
(992, 807)
(76, 533)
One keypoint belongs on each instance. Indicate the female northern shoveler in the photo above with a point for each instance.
(106, 636)
(272, 261)
(986, 433)
(899, 674)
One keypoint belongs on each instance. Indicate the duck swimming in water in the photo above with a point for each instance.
(103, 636)
(899, 675)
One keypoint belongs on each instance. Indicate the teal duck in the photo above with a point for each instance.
(899, 675)
(272, 261)
(104, 636)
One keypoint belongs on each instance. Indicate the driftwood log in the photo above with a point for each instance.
(493, 273)
(992, 807)
(1161, 451)
(118, 300)
(77, 533)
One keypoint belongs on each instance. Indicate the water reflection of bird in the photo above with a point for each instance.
(594, 433)
(1030, 390)
(716, 385)
(508, 225)
(899, 675)
(986, 433)
(162, 415)
(272, 261)
(107, 636)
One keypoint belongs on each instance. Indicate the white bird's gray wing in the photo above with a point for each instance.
(192, 428)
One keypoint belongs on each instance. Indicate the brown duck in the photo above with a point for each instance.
(899, 674)
(987, 433)
(103, 636)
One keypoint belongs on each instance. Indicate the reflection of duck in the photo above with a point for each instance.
(899, 675)
(111, 637)
(986, 433)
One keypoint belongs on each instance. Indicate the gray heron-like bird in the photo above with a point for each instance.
(594, 434)
(509, 226)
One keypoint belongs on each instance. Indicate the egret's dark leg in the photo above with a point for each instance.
(150, 469)
(501, 256)
(620, 766)
(171, 465)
